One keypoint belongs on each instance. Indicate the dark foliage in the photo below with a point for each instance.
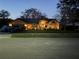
(69, 11)
(4, 14)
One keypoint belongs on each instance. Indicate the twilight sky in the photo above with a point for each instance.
(15, 7)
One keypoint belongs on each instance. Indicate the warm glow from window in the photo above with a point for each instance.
(10, 24)
(43, 24)
(28, 26)
(25, 25)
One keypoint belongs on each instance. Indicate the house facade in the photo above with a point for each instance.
(42, 24)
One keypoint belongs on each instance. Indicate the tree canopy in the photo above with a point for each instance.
(33, 13)
(69, 10)
(4, 14)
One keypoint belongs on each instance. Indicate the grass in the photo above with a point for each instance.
(50, 31)
(45, 35)
(39, 48)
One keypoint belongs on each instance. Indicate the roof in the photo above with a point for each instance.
(28, 20)
(52, 19)
(17, 21)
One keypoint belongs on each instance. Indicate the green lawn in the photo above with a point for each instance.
(45, 35)
(50, 31)
(39, 48)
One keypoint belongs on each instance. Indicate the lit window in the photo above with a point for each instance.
(10, 24)
(25, 25)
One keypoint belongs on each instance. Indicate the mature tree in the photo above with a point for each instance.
(69, 10)
(4, 14)
(4, 18)
(32, 13)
